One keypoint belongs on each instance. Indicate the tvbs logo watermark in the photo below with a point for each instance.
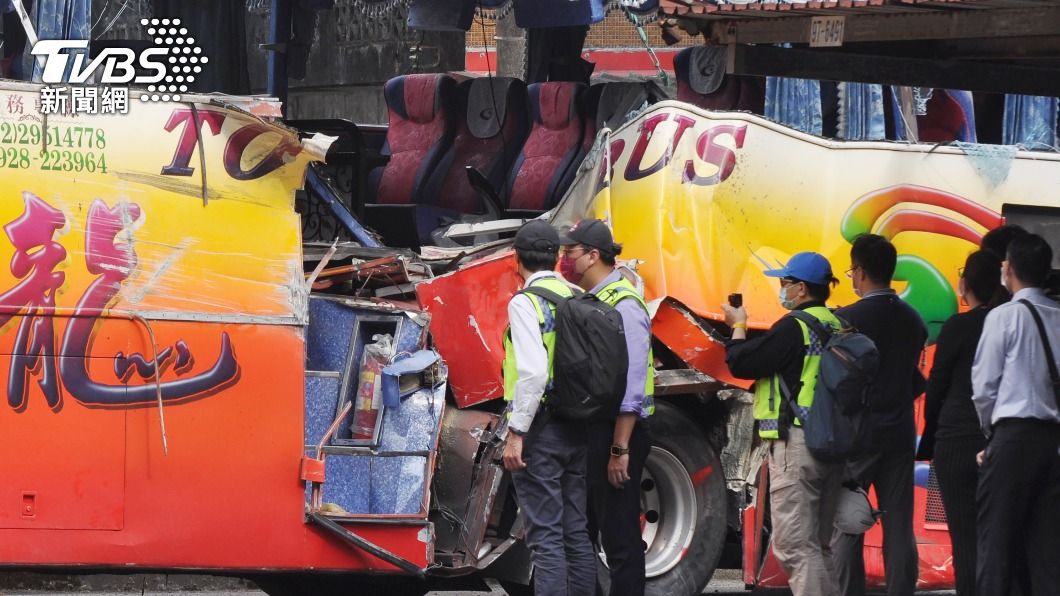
(173, 63)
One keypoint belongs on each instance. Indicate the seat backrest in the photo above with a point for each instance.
(542, 170)
(949, 117)
(735, 92)
(422, 126)
(492, 123)
(608, 104)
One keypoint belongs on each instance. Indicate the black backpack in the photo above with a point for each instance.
(836, 426)
(590, 361)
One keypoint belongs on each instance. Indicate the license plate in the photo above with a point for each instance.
(826, 32)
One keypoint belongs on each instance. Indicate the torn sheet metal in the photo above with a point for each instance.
(693, 341)
(469, 312)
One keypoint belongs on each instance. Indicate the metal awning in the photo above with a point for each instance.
(754, 9)
(997, 46)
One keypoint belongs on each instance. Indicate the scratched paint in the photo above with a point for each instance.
(473, 323)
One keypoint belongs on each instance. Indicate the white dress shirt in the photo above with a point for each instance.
(1010, 377)
(531, 358)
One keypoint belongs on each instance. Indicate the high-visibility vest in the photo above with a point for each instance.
(546, 317)
(768, 396)
(612, 294)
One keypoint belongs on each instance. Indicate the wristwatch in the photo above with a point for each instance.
(617, 451)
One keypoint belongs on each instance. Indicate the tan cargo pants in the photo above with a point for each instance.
(803, 497)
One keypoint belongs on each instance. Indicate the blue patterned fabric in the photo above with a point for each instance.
(57, 19)
(358, 482)
(861, 115)
(1030, 121)
(795, 103)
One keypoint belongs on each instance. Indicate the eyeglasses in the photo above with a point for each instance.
(570, 252)
(789, 281)
(960, 272)
(850, 272)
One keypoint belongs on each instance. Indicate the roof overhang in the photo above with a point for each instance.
(980, 45)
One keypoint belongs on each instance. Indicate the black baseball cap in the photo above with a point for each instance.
(538, 235)
(590, 232)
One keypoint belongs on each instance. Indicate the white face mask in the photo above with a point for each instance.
(788, 304)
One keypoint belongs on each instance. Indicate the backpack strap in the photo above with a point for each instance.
(545, 293)
(1054, 376)
(785, 391)
(822, 331)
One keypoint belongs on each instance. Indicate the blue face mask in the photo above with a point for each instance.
(788, 304)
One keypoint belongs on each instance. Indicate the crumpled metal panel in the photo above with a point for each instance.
(469, 313)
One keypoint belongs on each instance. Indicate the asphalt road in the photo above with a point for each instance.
(726, 582)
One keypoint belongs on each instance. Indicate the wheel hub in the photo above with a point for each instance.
(668, 512)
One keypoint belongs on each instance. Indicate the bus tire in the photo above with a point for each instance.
(683, 503)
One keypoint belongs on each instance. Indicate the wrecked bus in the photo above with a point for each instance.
(193, 386)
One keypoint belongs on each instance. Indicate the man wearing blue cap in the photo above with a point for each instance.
(803, 492)
(546, 455)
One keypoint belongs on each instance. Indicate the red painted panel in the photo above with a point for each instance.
(49, 471)
(676, 327)
(469, 313)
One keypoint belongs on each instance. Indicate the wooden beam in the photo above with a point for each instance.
(888, 70)
(955, 24)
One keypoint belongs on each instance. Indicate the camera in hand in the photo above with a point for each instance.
(736, 300)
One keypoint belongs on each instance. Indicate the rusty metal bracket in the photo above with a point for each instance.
(355, 540)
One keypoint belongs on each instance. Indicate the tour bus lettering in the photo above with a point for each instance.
(710, 151)
(633, 169)
(37, 254)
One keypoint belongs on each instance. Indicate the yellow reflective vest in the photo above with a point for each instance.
(611, 294)
(768, 395)
(546, 319)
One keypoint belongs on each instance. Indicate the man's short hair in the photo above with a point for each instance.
(608, 257)
(876, 256)
(1030, 258)
(982, 277)
(996, 240)
(537, 260)
(819, 292)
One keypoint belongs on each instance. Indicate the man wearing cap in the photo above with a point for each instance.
(617, 451)
(546, 455)
(899, 334)
(803, 492)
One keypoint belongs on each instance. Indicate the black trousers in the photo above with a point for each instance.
(1018, 500)
(958, 476)
(891, 473)
(615, 512)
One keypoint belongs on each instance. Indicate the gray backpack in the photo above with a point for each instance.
(836, 425)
